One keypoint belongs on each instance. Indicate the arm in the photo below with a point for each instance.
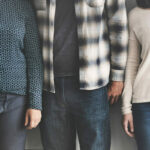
(118, 37)
(133, 63)
(33, 56)
(34, 63)
(131, 71)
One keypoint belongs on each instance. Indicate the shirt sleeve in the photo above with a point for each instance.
(118, 36)
(33, 56)
(133, 63)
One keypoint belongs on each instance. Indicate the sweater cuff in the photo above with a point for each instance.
(117, 75)
(35, 101)
(126, 110)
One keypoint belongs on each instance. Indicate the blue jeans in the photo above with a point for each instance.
(70, 111)
(141, 117)
(12, 116)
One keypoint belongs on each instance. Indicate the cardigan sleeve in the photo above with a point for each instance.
(34, 61)
(133, 63)
(118, 36)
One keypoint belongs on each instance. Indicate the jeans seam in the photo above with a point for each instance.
(64, 91)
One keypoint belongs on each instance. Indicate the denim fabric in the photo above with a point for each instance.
(12, 116)
(141, 116)
(71, 110)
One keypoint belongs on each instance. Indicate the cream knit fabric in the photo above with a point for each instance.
(137, 80)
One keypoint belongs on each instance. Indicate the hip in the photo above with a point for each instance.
(10, 102)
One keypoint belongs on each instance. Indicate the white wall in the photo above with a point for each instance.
(119, 140)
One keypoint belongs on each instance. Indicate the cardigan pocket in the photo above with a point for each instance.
(95, 3)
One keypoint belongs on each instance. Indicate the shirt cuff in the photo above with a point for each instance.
(117, 75)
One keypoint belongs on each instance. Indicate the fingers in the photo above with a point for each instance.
(114, 91)
(33, 123)
(129, 129)
(113, 99)
(32, 119)
(126, 128)
(117, 98)
(131, 126)
(26, 119)
(109, 95)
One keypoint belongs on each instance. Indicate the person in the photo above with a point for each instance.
(21, 73)
(136, 95)
(84, 44)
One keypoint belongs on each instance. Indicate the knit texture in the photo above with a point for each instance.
(20, 53)
(137, 78)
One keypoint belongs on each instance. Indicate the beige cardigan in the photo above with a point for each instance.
(137, 80)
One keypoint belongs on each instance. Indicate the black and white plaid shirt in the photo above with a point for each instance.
(103, 41)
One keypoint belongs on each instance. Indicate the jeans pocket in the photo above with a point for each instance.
(95, 3)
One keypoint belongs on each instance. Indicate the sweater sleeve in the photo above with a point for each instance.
(118, 36)
(131, 69)
(34, 61)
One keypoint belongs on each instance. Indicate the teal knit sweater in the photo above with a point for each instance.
(20, 53)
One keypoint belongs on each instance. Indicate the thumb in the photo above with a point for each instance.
(125, 125)
(26, 119)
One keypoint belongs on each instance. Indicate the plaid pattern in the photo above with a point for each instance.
(103, 40)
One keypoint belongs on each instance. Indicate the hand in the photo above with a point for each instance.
(114, 91)
(128, 124)
(32, 118)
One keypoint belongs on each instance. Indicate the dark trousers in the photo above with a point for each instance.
(12, 115)
(141, 117)
(71, 110)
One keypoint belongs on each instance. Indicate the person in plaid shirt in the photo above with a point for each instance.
(84, 49)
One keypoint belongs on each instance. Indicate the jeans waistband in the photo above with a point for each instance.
(4, 95)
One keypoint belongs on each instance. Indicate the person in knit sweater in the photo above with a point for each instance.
(21, 73)
(136, 94)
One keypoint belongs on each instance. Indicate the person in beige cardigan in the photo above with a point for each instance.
(136, 94)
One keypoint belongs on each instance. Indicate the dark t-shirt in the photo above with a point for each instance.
(65, 39)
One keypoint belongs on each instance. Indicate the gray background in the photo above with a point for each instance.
(119, 140)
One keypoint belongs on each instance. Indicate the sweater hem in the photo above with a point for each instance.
(140, 100)
(135, 100)
(14, 93)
